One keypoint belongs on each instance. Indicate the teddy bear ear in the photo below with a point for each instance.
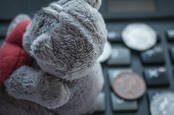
(53, 9)
(94, 3)
(42, 48)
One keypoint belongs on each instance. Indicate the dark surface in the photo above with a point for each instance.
(138, 66)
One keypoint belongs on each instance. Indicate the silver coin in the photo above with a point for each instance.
(162, 104)
(139, 36)
(106, 53)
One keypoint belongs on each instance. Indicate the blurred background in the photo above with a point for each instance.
(111, 9)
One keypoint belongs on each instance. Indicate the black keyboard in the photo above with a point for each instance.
(156, 69)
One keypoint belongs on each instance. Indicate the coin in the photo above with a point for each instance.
(162, 104)
(139, 36)
(129, 86)
(106, 53)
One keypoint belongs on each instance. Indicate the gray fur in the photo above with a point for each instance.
(84, 93)
(94, 3)
(34, 85)
(65, 39)
(12, 106)
(68, 44)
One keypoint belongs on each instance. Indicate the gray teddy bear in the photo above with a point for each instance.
(65, 40)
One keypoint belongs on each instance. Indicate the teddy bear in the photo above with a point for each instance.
(51, 60)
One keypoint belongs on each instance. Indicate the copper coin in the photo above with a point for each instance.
(129, 86)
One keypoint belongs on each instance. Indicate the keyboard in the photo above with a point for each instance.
(156, 68)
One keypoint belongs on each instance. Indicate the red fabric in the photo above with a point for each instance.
(12, 54)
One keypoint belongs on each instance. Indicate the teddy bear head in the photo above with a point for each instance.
(66, 38)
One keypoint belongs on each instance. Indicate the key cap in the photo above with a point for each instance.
(3, 30)
(156, 76)
(101, 103)
(1, 42)
(120, 105)
(119, 56)
(113, 73)
(170, 35)
(172, 53)
(114, 37)
(153, 56)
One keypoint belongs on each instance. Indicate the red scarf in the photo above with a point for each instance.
(12, 54)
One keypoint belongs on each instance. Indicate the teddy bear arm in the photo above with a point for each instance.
(36, 86)
(12, 106)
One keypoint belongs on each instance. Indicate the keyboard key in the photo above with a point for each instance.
(153, 56)
(3, 31)
(172, 53)
(156, 76)
(114, 37)
(120, 105)
(1, 42)
(120, 56)
(170, 35)
(101, 103)
(113, 73)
